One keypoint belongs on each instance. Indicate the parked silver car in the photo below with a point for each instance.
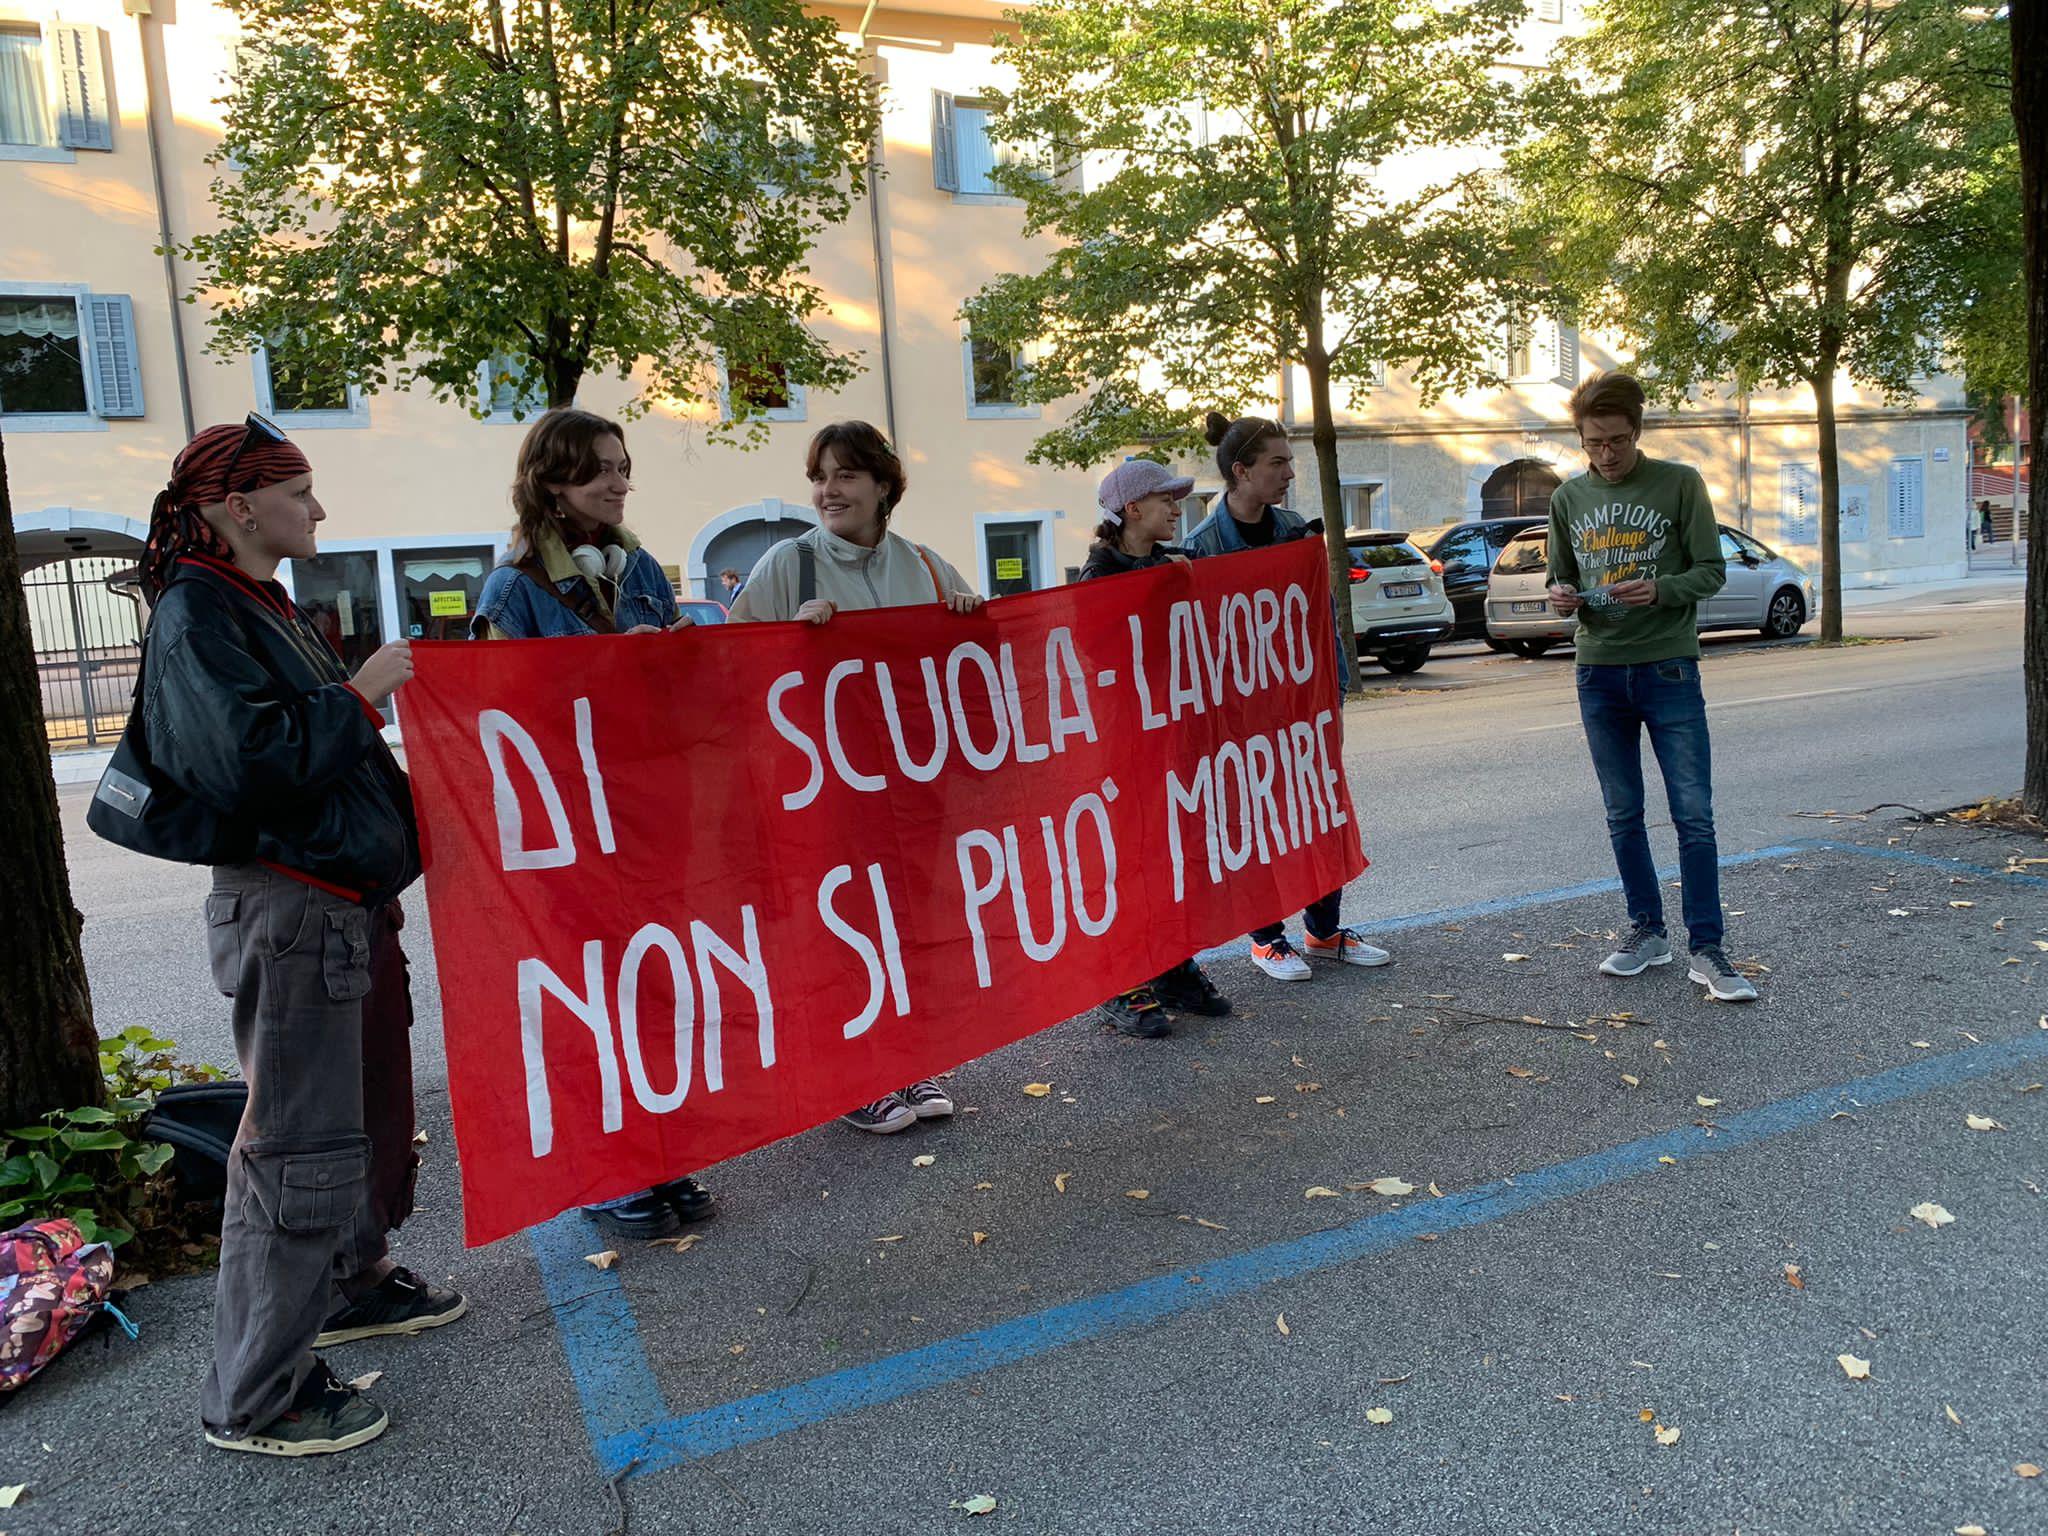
(1398, 605)
(1764, 592)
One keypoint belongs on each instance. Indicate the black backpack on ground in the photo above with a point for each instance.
(199, 1120)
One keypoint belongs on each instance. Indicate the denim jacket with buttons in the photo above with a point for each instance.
(1219, 535)
(517, 609)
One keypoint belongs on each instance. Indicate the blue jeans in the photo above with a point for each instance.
(1617, 703)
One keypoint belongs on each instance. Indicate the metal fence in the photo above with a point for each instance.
(88, 640)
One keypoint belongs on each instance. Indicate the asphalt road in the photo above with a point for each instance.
(1103, 1363)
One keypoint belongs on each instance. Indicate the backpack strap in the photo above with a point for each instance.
(583, 603)
(806, 574)
(932, 569)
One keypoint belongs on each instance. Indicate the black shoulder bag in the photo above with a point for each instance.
(138, 808)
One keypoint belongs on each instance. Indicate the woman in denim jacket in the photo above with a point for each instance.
(574, 569)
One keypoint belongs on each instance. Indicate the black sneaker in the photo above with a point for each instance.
(886, 1116)
(926, 1097)
(690, 1200)
(641, 1218)
(1137, 1012)
(401, 1304)
(1187, 989)
(325, 1416)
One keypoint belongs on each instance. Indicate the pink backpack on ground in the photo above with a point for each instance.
(53, 1283)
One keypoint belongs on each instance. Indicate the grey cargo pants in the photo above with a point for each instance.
(298, 1219)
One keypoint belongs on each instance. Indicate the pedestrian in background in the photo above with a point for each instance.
(1257, 463)
(1634, 550)
(1140, 505)
(246, 710)
(574, 568)
(733, 582)
(851, 561)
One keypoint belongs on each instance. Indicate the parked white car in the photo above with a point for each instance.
(1398, 605)
(1764, 592)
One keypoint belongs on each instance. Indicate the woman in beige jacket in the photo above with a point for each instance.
(849, 562)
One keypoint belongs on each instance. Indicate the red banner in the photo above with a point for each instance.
(695, 892)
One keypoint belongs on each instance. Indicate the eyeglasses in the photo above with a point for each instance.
(259, 429)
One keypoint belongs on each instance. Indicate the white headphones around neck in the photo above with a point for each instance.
(608, 562)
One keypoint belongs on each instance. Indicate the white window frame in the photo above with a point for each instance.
(87, 420)
(498, 540)
(1043, 576)
(978, 412)
(534, 398)
(989, 199)
(1378, 484)
(798, 408)
(357, 415)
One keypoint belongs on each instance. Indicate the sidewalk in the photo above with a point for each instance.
(1186, 1292)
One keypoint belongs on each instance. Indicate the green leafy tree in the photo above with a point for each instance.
(410, 189)
(1778, 192)
(1238, 188)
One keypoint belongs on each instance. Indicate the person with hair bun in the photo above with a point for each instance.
(851, 561)
(266, 759)
(1257, 463)
(574, 568)
(1140, 504)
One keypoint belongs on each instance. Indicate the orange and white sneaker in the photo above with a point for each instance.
(1280, 961)
(1347, 946)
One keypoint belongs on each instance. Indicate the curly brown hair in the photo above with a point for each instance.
(559, 449)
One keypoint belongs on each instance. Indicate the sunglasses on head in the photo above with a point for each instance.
(257, 429)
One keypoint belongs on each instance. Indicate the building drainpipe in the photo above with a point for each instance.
(140, 10)
(1742, 457)
(881, 262)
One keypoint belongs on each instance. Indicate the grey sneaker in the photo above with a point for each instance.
(1710, 968)
(325, 1417)
(1643, 948)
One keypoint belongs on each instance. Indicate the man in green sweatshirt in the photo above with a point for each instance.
(1634, 549)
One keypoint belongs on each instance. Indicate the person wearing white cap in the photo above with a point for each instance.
(1140, 502)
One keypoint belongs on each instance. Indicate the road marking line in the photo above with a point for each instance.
(631, 1429)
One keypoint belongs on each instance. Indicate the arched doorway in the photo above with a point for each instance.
(1519, 488)
(740, 537)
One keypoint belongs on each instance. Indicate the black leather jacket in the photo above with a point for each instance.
(248, 710)
(1108, 560)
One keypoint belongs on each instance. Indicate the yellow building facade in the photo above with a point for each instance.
(108, 110)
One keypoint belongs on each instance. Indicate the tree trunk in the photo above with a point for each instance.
(1323, 435)
(2029, 21)
(1830, 498)
(49, 1055)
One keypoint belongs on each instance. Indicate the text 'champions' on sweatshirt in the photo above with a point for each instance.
(1654, 522)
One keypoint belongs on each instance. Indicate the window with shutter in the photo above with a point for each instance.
(1798, 505)
(1567, 354)
(42, 356)
(945, 156)
(24, 99)
(1550, 10)
(509, 389)
(83, 120)
(116, 372)
(1907, 500)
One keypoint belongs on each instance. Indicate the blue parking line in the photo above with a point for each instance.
(631, 1428)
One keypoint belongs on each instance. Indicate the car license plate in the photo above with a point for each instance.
(1401, 589)
(1536, 607)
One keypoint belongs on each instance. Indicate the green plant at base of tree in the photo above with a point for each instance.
(92, 1164)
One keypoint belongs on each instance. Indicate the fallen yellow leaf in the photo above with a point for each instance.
(1793, 1278)
(11, 1494)
(1648, 1415)
(923, 1160)
(1970, 1530)
(984, 1186)
(1038, 1090)
(1434, 1191)
(2026, 1469)
(1280, 1322)
(1264, 1098)
(980, 1504)
(604, 1260)
(1520, 1072)
(1391, 1186)
(893, 1237)
(1632, 1080)
(1853, 1368)
(1320, 1192)
(1982, 1123)
(1213, 1226)
(1138, 1194)
(1934, 1215)
(737, 1349)
(367, 1380)
(1379, 1415)
(1512, 959)
(1671, 1160)
(1668, 1435)
(1704, 1102)
(980, 1238)
(1953, 1416)
(1962, 903)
